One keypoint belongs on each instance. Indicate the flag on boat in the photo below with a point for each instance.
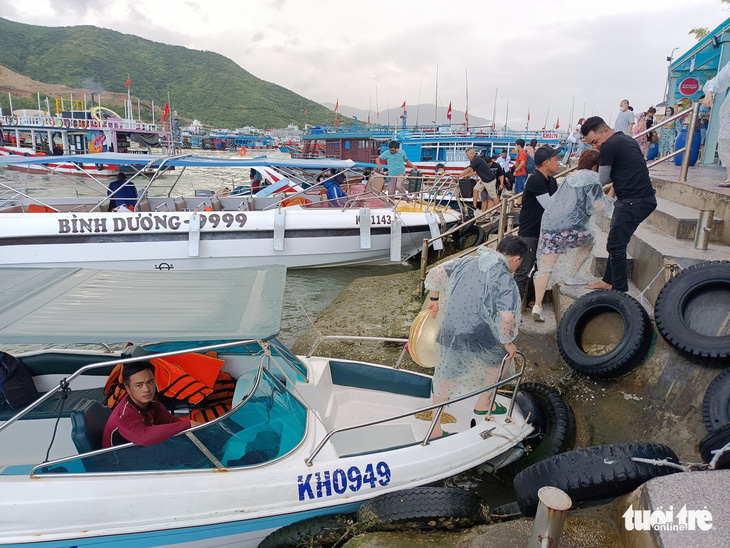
(305, 111)
(128, 82)
(528, 115)
(166, 112)
(337, 105)
(448, 112)
(466, 117)
(557, 124)
(403, 105)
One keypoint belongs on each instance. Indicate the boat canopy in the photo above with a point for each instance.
(154, 160)
(74, 305)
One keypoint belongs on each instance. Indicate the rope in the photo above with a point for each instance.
(65, 390)
(303, 309)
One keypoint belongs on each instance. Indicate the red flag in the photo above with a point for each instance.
(337, 105)
(166, 112)
(368, 117)
(128, 82)
(466, 117)
(528, 115)
(305, 111)
(403, 105)
(557, 124)
(448, 112)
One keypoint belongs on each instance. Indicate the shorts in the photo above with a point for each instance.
(490, 188)
(559, 242)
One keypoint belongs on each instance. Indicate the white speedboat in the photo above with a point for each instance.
(306, 436)
(296, 227)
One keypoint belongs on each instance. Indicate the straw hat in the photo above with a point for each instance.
(422, 339)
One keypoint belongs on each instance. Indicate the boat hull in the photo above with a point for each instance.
(165, 241)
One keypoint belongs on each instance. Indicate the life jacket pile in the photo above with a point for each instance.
(194, 379)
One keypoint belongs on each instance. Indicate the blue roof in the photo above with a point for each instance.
(119, 158)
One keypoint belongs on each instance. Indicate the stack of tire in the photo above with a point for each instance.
(693, 315)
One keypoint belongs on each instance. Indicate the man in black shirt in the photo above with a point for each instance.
(535, 199)
(477, 166)
(622, 163)
(498, 173)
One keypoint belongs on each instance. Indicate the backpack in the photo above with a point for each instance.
(16, 382)
(530, 164)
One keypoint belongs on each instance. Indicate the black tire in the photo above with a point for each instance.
(316, 531)
(715, 440)
(495, 229)
(552, 418)
(626, 355)
(506, 512)
(470, 236)
(674, 311)
(592, 473)
(716, 403)
(422, 508)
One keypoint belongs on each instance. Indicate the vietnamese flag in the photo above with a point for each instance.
(128, 82)
(557, 124)
(305, 111)
(337, 105)
(448, 112)
(166, 112)
(403, 105)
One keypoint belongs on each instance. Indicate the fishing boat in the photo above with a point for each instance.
(285, 223)
(305, 436)
(426, 147)
(35, 133)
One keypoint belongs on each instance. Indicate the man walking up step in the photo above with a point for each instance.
(623, 164)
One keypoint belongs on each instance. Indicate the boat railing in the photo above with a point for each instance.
(438, 407)
(58, 122)
(64, 383)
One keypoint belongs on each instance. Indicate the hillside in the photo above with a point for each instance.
(423, 113)
(202, 84)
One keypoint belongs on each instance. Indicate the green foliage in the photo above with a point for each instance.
(202, 84)
(699, 32)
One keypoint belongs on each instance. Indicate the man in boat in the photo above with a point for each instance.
(397, 162)
(125, 193)
(480, 319)
(139, 418)
(487, 180)
(622, 164)
(335, 194)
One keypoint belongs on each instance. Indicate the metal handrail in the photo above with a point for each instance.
(437, 416)
(323, 338)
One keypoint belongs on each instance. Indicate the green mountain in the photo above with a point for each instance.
(202, 84)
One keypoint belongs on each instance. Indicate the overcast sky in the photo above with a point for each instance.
(539, 54)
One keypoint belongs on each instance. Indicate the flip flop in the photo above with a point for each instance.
(499, 409)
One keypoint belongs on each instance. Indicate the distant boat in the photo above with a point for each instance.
(424, 146)
(75, 132)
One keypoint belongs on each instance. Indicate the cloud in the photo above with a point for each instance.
(598, 52)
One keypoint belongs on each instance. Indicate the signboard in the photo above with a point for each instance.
(689, 86)
(550, 135)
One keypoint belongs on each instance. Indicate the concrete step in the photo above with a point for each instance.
(680, 221)
(600, 255)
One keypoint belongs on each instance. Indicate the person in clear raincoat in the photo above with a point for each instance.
(566, 231)
(480, 306)
(719, 85)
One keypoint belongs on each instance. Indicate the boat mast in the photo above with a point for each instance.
(436, 99)
(418, 107)
(494, 111)
(466, 113)
(506, 115)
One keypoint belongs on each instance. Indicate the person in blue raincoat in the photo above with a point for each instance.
(480, 305)
(125, 195)
(335, 194)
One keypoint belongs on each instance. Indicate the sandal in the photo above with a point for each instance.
(497, 409)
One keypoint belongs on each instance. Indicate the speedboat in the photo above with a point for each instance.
(285, 223)
(305, 436)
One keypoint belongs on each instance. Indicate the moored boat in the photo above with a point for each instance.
(297, 226)
(305, 436)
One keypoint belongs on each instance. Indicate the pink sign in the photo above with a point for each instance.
(689, 86)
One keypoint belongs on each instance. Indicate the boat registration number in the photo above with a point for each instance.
(323, 484)
(377, 219)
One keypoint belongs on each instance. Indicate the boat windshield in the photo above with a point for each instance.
(269, 425)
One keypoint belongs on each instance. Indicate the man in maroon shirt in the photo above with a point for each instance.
(138, 417)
